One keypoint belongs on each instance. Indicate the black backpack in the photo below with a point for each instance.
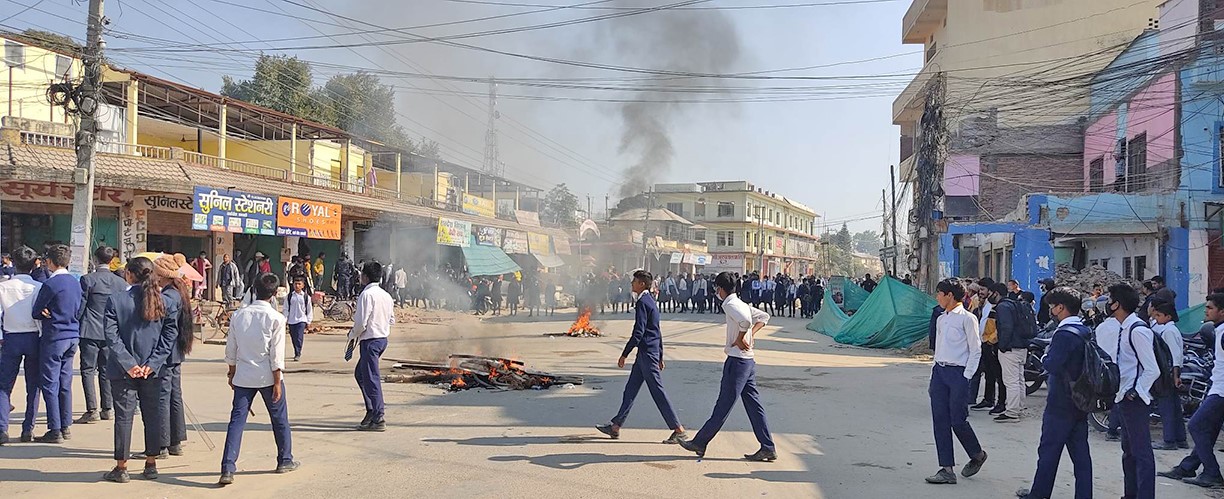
(1026, 320)
(1165, 384)
(1097, 385)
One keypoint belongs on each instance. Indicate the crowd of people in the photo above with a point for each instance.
(696, 293)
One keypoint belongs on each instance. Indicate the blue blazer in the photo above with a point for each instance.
(1064, 360)
(647, 336)
(61, 294)
(96, 289)
(134, 341)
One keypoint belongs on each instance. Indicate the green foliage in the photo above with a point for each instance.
(868, 241)
(366, 107)
(282, 83)
(52, 41)
(560, 207)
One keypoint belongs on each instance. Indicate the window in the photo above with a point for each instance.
(63, 64)
(726, 209)
(748, 238)
(1105, 263)
(14, 54)
(1136, 164)
(677, 208)
(726, 238)
(1141, 267)
(1093, 263)
(1096, 175)
(699, 235)
(699, 208)
(1126, 268)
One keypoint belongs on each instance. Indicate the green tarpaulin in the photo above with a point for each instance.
(1191, 319)
(829, 320)
(487, 260)
(894, 316)
(853, 295)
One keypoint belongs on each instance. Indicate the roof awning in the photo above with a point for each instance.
(549, 261)
(488, 260)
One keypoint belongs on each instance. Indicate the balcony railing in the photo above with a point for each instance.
(47, 140)
(235, 165)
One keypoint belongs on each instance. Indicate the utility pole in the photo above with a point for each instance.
(884, 201)
(646, 225)
(892, 170)
(86, 141)
(760, 213)
(492, 156)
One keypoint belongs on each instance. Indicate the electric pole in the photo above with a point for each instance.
(884, 201)
(86, 141)
(645, 226)
(892, 170)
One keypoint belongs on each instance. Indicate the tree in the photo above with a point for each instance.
(842, 239)
(868, 241)
(282, 83)
(52, 41)
(366, 107)
(427, 148)
(561, 207)
(635, 201)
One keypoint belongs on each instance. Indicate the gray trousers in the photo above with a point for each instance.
(127, 393)
(94, 355)
(174, 423)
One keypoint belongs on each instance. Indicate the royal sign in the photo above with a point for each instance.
(311, 219)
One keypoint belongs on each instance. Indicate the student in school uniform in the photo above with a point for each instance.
(299, 312)
(20, 336)
(58, 306)
(255, 353)
(1208, 419)
(96, 289)
(1164, 319)
(371, 326)
(1138, 368)
(958, 350)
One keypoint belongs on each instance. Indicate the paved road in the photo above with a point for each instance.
(849, 423)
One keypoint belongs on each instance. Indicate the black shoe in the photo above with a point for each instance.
(688, 445)
(997, 410)
(983, 405)
(175, 450)
(1164, 446)
(369, 417)
(66, 433)
(4, 439)
(162, 454)
(975, 465)
(87, 417)
(51, 437)
(676, 437)
(287, 467)
(117, 475)
(27, 437)
(1177, 473)
(379, 425)
(1113, 437)
(107, 414)
(1207, 482)
(1004, 418)
(764, 456)
(942, 477)
(1183, 445)
(1023, 494)
(609, 430)
(149, 473)
(226, 479)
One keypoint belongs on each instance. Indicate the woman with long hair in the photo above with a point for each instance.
(174, 422)
(141, 326)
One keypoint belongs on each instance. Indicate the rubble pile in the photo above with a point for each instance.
(1089, 278)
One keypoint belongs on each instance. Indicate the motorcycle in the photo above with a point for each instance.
(1034, 372)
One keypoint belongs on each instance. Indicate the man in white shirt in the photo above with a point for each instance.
(19, 342)
(371, 326)
(1206, 423)
(958, 349)
(299, 312)
(1107, 338)
(1138, 370)
(739, 375)
(255, 353)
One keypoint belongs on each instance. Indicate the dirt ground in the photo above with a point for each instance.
(848, 422)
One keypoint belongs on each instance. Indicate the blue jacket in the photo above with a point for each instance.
(134, 341)
(1007, 323)
(60, 294)
(647, 336)
(1064, 361)
(96, 289)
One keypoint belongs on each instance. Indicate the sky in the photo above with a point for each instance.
(829, 145)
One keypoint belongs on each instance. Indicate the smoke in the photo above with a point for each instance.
(696, 42)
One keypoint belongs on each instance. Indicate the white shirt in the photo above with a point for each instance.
(669, 284)
(1217, 372)
(298, 309)
(699, 286)
(374, 315)
(683, 285)
(740, 318)
(256, 344)
(17, 305)
(986, 308)
(401, 278)
(1107, 337)
(1136, 360)
(957, 340)
(1172, 337)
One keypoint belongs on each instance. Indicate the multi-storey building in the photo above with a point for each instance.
(746, 228)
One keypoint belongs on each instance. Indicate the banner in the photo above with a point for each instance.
(515, 242)
(488, 236)
(731, 262)
(239, 212)
(177, 203)
(539, 244)
(476, 205)
(562, 245)
(54, 192)
(697, 258)
(837, 290)
(677, 257)
(133, 231)
(527, 217)
(312, 219)
(454, 232)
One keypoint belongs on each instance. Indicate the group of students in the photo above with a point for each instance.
(1123, 339)
(780, 293)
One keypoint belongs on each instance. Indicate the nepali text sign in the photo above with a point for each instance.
(312, 219)
(476, 205)
(527, 217)
(177, 203)
(515, 242)
(727, 261)
(54, 192)
(133, 231)
(697, 258)
(239, 212)
(539, 244)
(562, 245)
(454, 232)
(677, 257)
(488, 236)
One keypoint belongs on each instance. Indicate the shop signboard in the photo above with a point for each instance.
(312, 219)
(539, 244)
(226, 210)
(177, 203)
(133, 231)
(527, 217)
(732, 262)
(476, 205)
(454, 232)
(488, 236)
(677, 258)
(515, 242)
(60, 193)
(562, 245)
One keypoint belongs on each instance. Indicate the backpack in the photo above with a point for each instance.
(1026, 320)
(1097, 385)
(1165, 384)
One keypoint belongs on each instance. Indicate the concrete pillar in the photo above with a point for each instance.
(436, 195)
(133, 96)
(293, 133)
(348, 239)
(465, 183)
(495, 196)
(344, 161)
(399, 173)
(516, 197)
(1199, 285)
(221, 130)
(222, 243)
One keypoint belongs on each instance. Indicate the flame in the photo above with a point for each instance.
(458, 382)
(583, 324)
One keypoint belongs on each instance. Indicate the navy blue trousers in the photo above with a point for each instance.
(55, 364)
(19, 349)
(949, 391)
(646, 370)
(1059, 430)
(1138, 460)
(127, 392)
(297, 334)
(1204, 429)
(94, 356)
(174, 421)
(1172, 418)
(278, 412)
(368, 377)
(738, 380)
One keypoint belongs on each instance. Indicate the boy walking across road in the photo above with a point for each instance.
(958, 349)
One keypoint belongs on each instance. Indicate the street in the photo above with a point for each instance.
(848, 422)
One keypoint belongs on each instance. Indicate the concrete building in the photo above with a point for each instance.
(747, 228)
(657, 240)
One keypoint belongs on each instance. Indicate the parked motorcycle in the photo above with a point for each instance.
(1034, 372)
